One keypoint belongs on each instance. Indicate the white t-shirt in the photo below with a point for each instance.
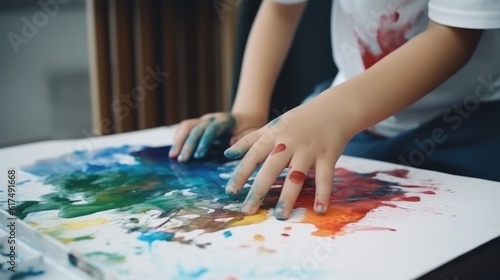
(364, 31)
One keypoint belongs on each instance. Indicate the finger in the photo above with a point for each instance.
(180, 136)
(192, 141)
(324, 182)
(253, 158)
(207, 139)
(240, 135)
(299, 167)
(239, 149)
(214, 130)
(277, 160)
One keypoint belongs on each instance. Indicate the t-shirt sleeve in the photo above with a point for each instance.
(289, 1)
(473, 14)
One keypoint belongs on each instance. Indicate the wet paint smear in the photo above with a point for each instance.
(151, 237)
(135, 180)
(106, 257)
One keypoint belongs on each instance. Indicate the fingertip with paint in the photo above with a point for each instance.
(248, 208)
(200, 152)
(230, 154)
(279, 211)
(183, 157)
(319, 208)
(231, 189)
(173, 151)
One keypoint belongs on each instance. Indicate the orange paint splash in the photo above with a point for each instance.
(353, 197)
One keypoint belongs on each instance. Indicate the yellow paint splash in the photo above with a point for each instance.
(258, 238)
(263, 250)
(33, 224)
(257, 218)
(75, 239)
(84, 224)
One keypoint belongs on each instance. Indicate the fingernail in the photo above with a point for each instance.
(198, 154)
(247, 205)
(319, 208)
(230, 188)
(231, 191)
(248, 208)
(171, 153)
(279, 211)
(232, 154)
(182, 157)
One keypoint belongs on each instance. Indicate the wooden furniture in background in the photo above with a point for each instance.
(156, 63)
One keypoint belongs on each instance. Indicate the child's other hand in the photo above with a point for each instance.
(194, 137)
(308, 137)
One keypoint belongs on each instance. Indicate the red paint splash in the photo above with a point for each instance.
(297, 177)
(411, 198)
(429, 192)
(354, 195)
(278, 148)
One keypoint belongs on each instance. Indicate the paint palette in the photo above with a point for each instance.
(129, 212)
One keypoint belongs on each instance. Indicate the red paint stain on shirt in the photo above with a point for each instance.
(388, 37)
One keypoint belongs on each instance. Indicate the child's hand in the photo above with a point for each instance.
(195, 136)
(304, 138)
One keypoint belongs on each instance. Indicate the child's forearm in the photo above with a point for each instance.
(402, 77)
(266, 49)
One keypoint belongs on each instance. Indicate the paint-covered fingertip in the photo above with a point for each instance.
(231, 191)
(230, 154)
(182, 158)
(248, 209)
(172, 153)
(320, 208)
(198, 154)
(280, 216)
(279, 211)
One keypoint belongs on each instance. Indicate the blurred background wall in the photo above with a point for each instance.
(44, 71)
(75, 68)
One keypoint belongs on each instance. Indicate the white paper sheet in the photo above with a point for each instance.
(441, 218)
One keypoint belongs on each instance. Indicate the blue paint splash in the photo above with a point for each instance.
(151, 237)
